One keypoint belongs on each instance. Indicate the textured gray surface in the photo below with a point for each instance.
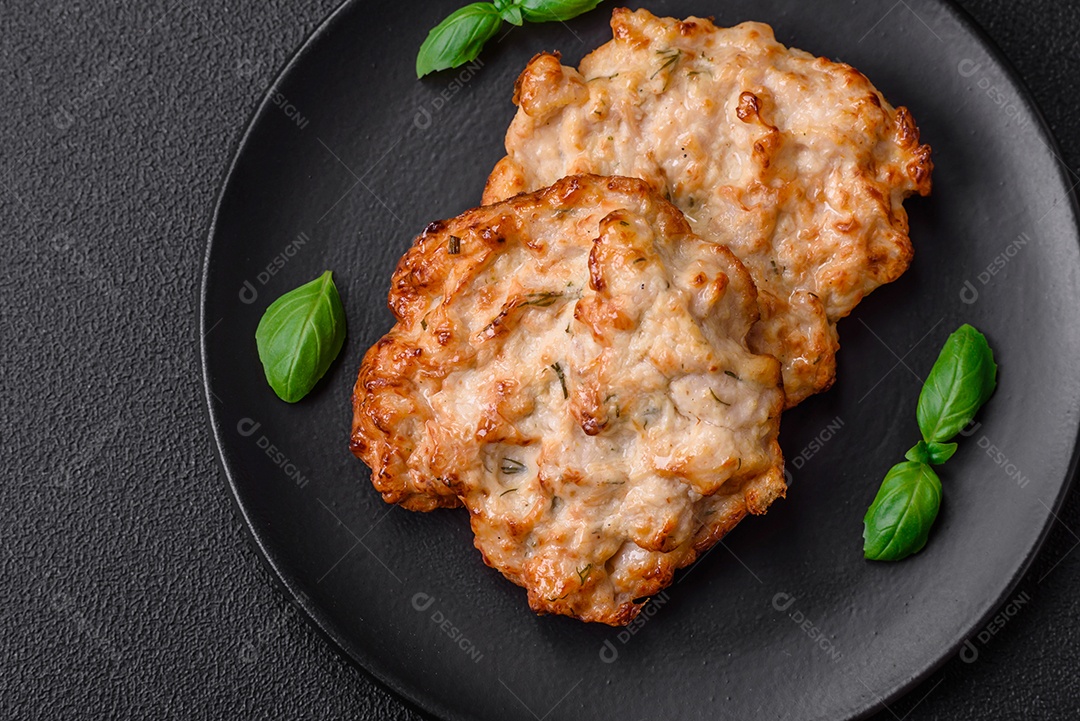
(129, 587)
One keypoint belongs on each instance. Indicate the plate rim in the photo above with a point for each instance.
(314, 615)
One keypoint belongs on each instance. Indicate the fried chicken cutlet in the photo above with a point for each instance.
(571, 365)
(796, 163)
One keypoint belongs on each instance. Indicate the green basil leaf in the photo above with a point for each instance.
(918, 453)
(540, 11)
(940, 452)
(299, 335)
(898, 522)
(962, 379)
(513, 16)
(933, 452)
(459, 38)
(509, 11)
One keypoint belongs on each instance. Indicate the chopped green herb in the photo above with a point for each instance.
(562, 378)
(505, 492)
(583, 573)
(454, 245)
(669, 60)
(732, 374)
(509, 466)
(542, 300)
(715, 398)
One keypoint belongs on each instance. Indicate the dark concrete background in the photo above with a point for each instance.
(129, 587)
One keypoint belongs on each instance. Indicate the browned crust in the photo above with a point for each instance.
(920, 167)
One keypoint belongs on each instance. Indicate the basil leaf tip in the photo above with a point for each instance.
(960, 382)
(299, 336)
(898, 522)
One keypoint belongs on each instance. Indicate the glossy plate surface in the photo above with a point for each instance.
(350, 156)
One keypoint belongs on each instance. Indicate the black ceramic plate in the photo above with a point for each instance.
(349, 156)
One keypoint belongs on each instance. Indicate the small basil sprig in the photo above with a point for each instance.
(299, 335)
(964, 376)
(460, 37)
